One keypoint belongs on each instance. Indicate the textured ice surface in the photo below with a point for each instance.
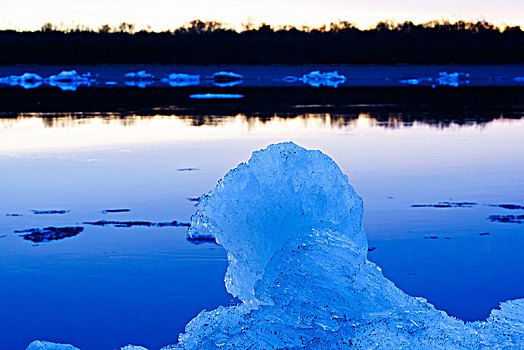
(291, 224)
(44, 345)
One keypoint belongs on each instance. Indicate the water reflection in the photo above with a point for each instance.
(393, 120)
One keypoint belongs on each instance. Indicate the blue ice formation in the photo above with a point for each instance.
(44, 345)
(210, 96)
(318, 79)
(292, 227)
(519, 79)
(26, 80)
(181, 79)
(410, 81)
(139, 79)
(226, 79)
(454, 79)
(70, 80)
(291, 224)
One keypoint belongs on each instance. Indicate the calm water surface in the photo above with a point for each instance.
(110, 286)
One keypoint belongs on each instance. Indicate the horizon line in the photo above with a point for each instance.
(251, 25)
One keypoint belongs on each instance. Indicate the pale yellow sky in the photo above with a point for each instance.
(169, 14)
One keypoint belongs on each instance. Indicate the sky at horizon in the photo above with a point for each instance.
(170, 14)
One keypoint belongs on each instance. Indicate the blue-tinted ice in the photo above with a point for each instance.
(318, 79)
(70, 80)
(181, 79)
(291, 224)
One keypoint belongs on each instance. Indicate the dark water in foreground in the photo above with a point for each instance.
(429, 188)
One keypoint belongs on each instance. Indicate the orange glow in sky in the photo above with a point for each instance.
(169, 14)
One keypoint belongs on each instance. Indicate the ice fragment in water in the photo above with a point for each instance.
(44, 345)
(291, 224)
(210, 96)
(181, 79)
(454, 79)
(226, 79)
(139, 79)
(318, 79)
(410, 81)
(70, 80)
(26, 80)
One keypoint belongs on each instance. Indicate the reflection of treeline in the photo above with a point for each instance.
(385, 119)
(391, 106)
(212, 43)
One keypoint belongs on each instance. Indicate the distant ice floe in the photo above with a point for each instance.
(215, 96)
(141, 79)
(65, 80)
(454, 79)
(181, 79)
(318, 79)
(70, 80)
(519, 79)
(26, 80)
(44, 345)
(411, 81)
(226, 79)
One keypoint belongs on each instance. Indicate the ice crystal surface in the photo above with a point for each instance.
(291, 224)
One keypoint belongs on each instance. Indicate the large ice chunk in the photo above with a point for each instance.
(291, 224)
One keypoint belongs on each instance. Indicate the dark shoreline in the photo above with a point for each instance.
(204, 43)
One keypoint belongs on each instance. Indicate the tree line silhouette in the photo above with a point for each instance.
(212, 42)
